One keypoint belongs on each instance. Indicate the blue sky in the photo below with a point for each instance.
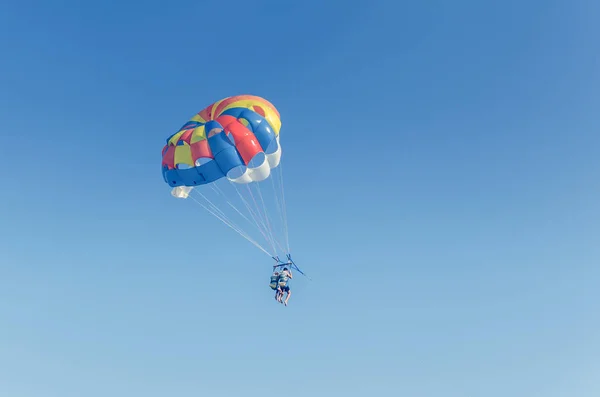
(441, 175)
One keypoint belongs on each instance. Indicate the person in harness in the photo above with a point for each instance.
(274, 284)
(284, 278)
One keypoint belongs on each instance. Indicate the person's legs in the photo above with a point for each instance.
(289, 293)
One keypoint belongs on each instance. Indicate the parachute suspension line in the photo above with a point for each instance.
(218, 190)
(284, 208)
(279, 203)
(219, 211)
(264, 221)
(254, 216)
(267, 217)
(257, 220)
(216, 211)
(231, 226)
(266, 214)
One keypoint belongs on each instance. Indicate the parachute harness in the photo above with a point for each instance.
(290, 263)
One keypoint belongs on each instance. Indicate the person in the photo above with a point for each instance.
(274, 284)
(284, 278)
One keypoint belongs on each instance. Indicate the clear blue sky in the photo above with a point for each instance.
(442, 179)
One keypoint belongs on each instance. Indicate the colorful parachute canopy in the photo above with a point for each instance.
(226, 139)
(216, 156)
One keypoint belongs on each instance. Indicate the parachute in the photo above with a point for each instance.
(227, 158)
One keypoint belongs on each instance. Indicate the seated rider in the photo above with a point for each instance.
(274, 284)
(284, 278)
